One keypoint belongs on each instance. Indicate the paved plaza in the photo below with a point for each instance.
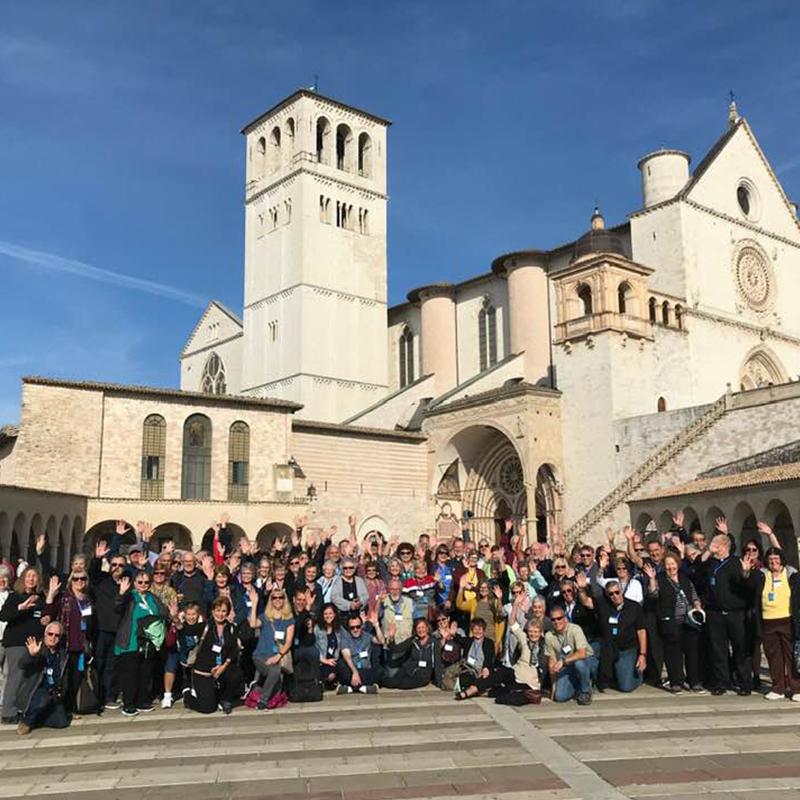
(422, 745)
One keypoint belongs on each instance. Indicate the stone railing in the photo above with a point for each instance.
(646, 470)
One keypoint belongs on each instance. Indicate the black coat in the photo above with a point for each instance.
(21, 624)
(666, 600)
(105, 592)
(206, 657)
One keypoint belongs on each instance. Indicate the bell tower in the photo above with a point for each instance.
(315, 256)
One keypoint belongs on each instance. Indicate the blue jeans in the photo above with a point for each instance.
(574, 679)
(594, 660)
(628, 678)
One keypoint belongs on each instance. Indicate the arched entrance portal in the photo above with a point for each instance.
(480, 477)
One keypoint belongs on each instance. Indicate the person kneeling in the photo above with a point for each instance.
(568, 659)
(422, 660)
(216, 680)
(47, 661)
(358, 667)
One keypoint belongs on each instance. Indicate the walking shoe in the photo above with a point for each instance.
(23, 729)
(744, 692)
(675, 689)
(584, 699)
(112, 706)
(344, 690)
(166, 700)
(130, 712)
(146, 709)
(226, 707)
(9, 720)
(773, 696)
(698, 689)
(796, 698)
(718, 691)
(372, 688)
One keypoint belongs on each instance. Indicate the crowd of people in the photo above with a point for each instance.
(518, 620)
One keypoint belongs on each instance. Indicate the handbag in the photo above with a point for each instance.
(87, 699)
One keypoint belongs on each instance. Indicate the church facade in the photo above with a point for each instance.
(556, 386)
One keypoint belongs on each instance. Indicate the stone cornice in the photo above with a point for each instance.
(187, 353)
(763, 331)
(493, 396)
(326, 289)
(301, 169)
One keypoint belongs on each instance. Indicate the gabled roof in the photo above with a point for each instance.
(214, 304)
(386, 399)
(443, 398)
(709, 159)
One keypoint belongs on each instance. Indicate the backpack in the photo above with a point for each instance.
(307, 687)
(87, 700)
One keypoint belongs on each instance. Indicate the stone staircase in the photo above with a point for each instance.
(660, 457)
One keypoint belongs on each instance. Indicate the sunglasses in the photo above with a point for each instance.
(118, 565)
(294, 563)
(347, 566)
(278, 597)
(79, 579)
(54, 635)
(614, 593)
(751, 549)
(639, 549)
(354, 627)
(556, 619)
(567, 590)
(517, 591)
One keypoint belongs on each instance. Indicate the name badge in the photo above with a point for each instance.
(398, 617)
(614, 631)
(216, 648)
(280, 635)
(49, 670)
(331, 651)
(772, 597)
(297, 643)
(776, 583)
(248, 603)
(613, 620)
(471, 661)
(448, 647)
(566, 649)
(86, 612)
(364, 654)
(423, 664)
(37, 614)
(555, 594)
(712, 581)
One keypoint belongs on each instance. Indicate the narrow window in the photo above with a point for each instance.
(323, 140)
(239, 462)
(585, 296)
(261, 157)
(679, 317)
(406, 357)
(623, 293)
(344, 141)
(653, 306)
(665, 312)
(365, 155)
(487, 335)
(196, 473)
(154, 444)
(274, 155)
(662, 404)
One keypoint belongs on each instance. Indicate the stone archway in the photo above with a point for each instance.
(778, 516)
(174, 532)
(490, 476)
(269, 533)
(761, 367)
(548, 502)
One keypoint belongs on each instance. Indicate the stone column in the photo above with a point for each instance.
(438, 313)
(529, 317)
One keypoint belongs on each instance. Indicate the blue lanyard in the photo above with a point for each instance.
(720, 566)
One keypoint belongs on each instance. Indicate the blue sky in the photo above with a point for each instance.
(120, 148)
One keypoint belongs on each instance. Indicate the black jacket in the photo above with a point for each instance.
(105, 590)
(412, 650)
(192, 587)
(622, 634)
(727, 588)
(21, 624)
(207, 639)
(666, 600)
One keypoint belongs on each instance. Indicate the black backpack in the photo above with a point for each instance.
(307, 687)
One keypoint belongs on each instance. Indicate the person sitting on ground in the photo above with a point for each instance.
(276, 634)
(522, 683)
(358, 667)
(568, 660)
(45, 663)
(216, 680)
(480, 656)
(422, 662)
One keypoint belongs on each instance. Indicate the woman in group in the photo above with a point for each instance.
(421, 590)
(216, 680)
(675, 597)
(325, 581)
(631, 587)
(74, 609)
(422, 663)
(22, 612)
(777, 607)
(166, 666)
(754, 550)
(516, 613)
(264, 576)
(134, 662)
(224, 585)
(5, 591)
(375, 586)
(271, 656)
(326, 634)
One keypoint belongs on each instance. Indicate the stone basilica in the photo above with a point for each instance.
(642, 368)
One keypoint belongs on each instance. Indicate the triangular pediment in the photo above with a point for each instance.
(217, 324)
(735, 161)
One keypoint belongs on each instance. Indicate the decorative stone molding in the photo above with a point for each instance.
(754, 276)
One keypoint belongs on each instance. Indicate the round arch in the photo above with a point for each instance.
(64, 554)
(77, 530)
(710, 521)
(372, 524)
(230, 536)
(270, 532)
(171, 531)
(5, 535)
(642, 521)
(742, 524)
(778, 516)
(691, 520)
(547, 501)
(36, 530)
(665, 520)
(106, 530)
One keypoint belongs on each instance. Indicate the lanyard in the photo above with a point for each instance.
(720, 566)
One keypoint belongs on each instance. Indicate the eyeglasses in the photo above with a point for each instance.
(586, 555)
(79, 579)
(560, 566)
(159, 572)
(354, 627)
(517, 591)
(143, 584)
(54, 635)
(751, 549)
(278, 597)
(117, 565)
(639, 549)
(404, 552)
(294, 563)
(556, 619)
(614, 592)
(347, 566)
(567, 590)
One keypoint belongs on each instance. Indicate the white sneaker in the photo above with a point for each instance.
(773, 696)
(796, 698)
(166, 700)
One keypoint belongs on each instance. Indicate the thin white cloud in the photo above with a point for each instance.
(83, 270)
(788, 166)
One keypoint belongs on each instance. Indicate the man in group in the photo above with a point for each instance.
(190, 584)
(349, 591)
(358, 667)
(568, 655)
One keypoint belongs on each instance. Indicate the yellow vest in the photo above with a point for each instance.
(775, 596)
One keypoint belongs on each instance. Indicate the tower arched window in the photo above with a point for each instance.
(679, 317)
(261, 157)
(487, 335)
(323, 140)
(154, 450)
(196, 472)
(661, 405)
(653, 305)
(213, 381)
(344, 146)
(624, 293)
(665, 312)
(274, 150)
(239, 462)
(365, 155)
(585, 296)
(288, 138)
(406, 357)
